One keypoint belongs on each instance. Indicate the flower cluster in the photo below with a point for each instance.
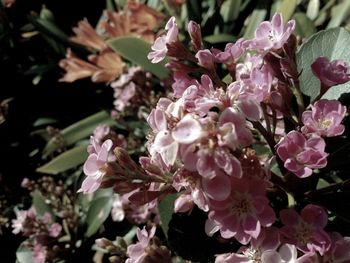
(205, 134)
(105, 65)
(41, 231)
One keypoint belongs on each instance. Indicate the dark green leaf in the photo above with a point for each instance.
(98, 212)
(194, 10)
(255, 19)
(219, 38)
(287, 9)
(304, 26)
(39, 203)
(166, 210)
(339, 13)
(136, 50)
(65, 161)
(230, 10)
(330, 43)
(79, 130)
(321, 184)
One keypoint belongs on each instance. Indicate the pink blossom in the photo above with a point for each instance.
(18, 223)
(137, 252)
(123, 96)
(191, 182)
(339, 252)
(288, 253)
(267, 241)
(131, 211)
(243, 213)
(93, 168)
(324, 119)
(306, 230)
(237, 123)
(184, 203)
(159, 47)
(39, 253)
(205, 59)
(301, 155)
(331, 73)
(232, 52)
(55, 230)
(181, 82)
(272, 35)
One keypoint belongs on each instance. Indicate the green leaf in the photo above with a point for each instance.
(255, 19)
(230, 10)
(287, 9)
(194, 10)
(111, 5)
(330, 43)
(67, 160)
(312, 9)
(166, 210)
(339, 13)
(322, 183)
(136, 50)
(48, 27)
(304, 26)
(24, 254)
(39, 203)
(219, 38)
(79, 130)
(323, 14)
(98, 212)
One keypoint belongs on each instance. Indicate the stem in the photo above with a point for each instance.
(266, 117)
(269, 139)
(331, 188)
(299, 97)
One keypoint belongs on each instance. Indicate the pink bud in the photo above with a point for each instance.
(330, 73)
(205, 59)
(194, 31)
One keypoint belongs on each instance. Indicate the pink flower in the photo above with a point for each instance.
(233, 123)
(324, 119)
(301, 155)
(266, 242)
(205, 59)
(159, 47)
(339, 250)
(306, 230)
(330, 73)
(243, 213)
(18, 223)
(93, 168)
(272, 35)
(55, 230)
(123, 96)
(288, 253)
(232, 52)
(39, 253)
(137, 252)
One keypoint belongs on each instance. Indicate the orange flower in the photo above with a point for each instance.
(87, 36)
(104, 67)
(110, 66)
(75, 67)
